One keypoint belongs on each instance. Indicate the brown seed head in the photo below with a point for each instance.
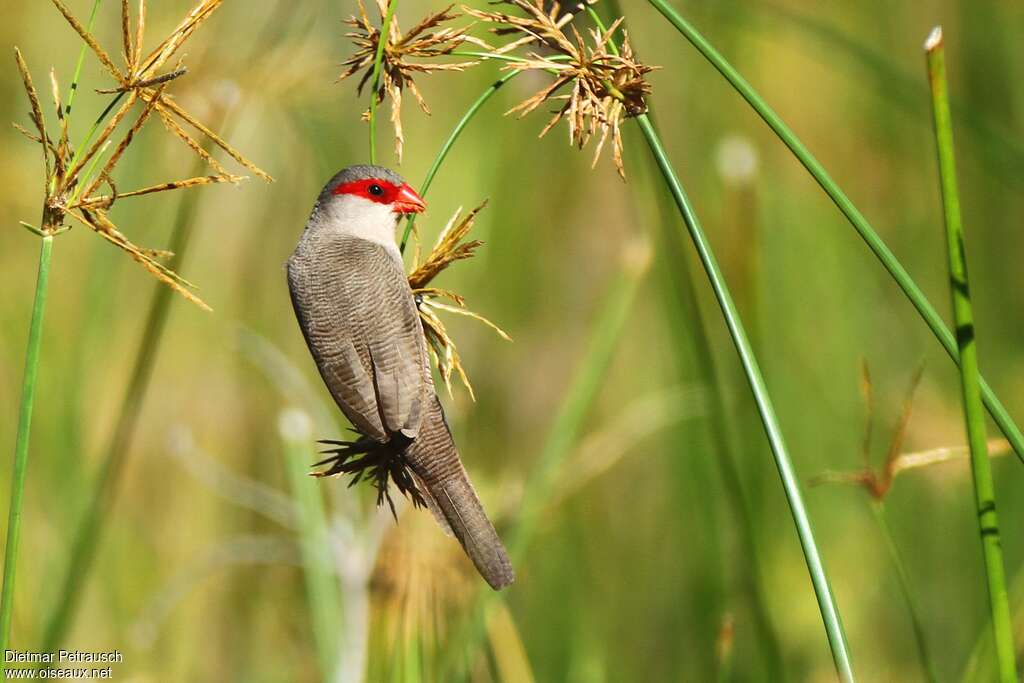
(421, 42)
(605, 87)
(74, 175)
(448, 249)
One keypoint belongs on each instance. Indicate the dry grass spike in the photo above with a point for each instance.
(448, 249)
(421, 42)
(604, 87)
(74, 175)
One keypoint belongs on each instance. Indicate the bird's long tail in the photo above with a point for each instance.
(435, 461)
(457, 501)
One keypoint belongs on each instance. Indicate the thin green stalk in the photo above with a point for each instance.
(322, 589)
(446, 147)
(852, 214)
(726, 462)
(81, 58)
(819, 577)
(565, 430)
(385, 32)
(980, 664)
(457, 130)
(88, 532)
(751, 570)
(923, 653)
(963, 317)
(28, 392)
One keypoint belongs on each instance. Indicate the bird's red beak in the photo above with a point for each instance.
(408, 201)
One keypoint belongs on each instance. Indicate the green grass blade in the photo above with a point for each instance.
(568, 423)
(450, 141)
(974, 415)
(28, 392)
(322, 589)
(852, 214)
(81, 58)
(460, 126)
(819, 578)
(751, 569)
(385, 30)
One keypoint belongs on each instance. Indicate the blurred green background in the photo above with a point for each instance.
(640, 570)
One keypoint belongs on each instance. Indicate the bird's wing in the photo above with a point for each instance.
(359, 318)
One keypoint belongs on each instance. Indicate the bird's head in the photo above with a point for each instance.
(366, 201)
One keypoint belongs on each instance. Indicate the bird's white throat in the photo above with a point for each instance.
(358, 217)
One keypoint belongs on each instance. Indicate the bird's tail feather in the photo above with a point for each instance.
(460, 506)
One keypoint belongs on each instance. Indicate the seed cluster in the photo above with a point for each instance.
(74, 177)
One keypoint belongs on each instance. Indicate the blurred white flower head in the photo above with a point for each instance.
(294, 424)
(736, 160)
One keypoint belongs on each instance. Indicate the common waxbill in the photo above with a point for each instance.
(360, 321)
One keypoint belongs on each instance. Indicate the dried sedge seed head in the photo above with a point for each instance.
(448, 249)
(605, 88)
(878, 484)
(74, 176)
(420, 582)
(396, 69)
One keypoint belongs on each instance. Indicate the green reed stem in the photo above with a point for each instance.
(446, 147)
(819, 577)
(852, 214)
(726, 462)
(80, 150)
(28, 392)
(463, 122)
(923, 653)
(81, 58)
(385, 32)
(565, 430)
(727, 465)
(682, 286)
(970, 380)
(321, 580)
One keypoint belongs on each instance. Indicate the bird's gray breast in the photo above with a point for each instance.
(359, 318)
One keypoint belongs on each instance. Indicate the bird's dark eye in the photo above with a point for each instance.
(376, 190)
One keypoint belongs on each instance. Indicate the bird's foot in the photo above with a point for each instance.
(373, 460)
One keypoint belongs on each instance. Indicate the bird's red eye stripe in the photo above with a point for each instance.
(376, 190)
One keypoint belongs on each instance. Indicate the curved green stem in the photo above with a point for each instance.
(457, 131)
(446, 147)
(28, 391)
(385, 32)
(816, 568)
(974, 414)
(852, 214)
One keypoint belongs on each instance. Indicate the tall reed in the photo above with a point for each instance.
(28, 392)
(815, 565)
(970, 379)
(32, 353)
(867, 233)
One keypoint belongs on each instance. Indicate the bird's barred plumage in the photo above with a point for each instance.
(359, 318)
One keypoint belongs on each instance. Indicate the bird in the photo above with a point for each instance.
(359, 318)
